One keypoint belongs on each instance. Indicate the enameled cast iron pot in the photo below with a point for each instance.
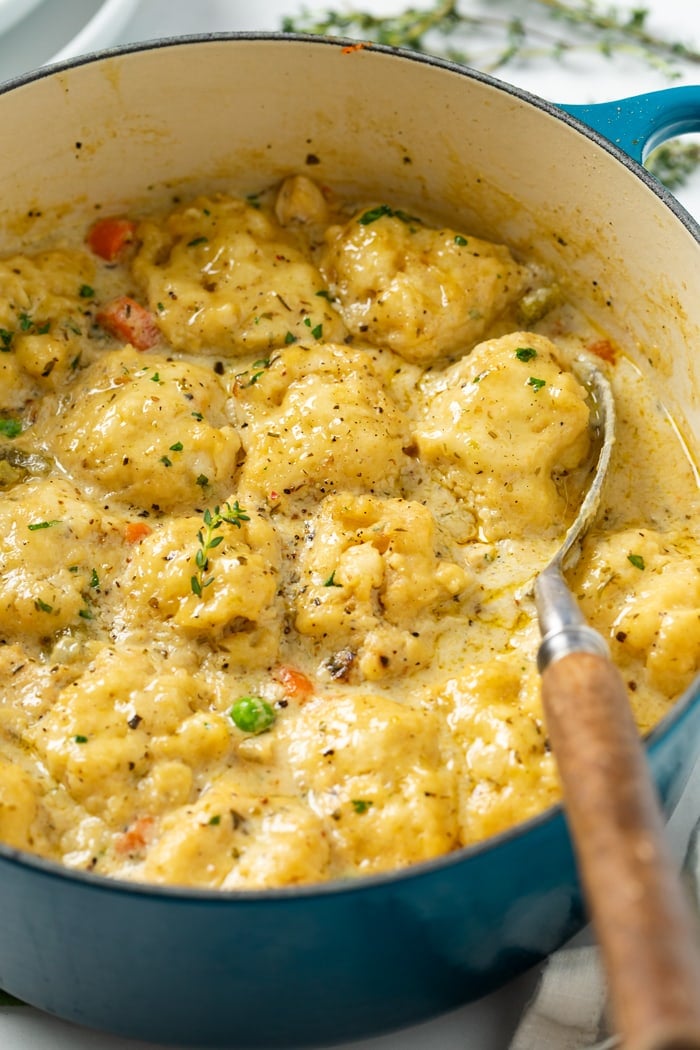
(296, 967)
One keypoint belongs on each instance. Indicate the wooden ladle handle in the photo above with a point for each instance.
(647, 930)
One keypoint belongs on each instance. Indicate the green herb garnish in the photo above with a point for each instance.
(637, 560)
(260, 368)
(536, 384)
(34, 526)
(361, 805)
(525, 353)
(209, 539)
(375, 213)
(10, 427)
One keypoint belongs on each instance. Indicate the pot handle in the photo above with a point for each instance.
(641, 122)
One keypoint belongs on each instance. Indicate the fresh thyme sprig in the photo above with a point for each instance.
(209, 539)
(520, 36)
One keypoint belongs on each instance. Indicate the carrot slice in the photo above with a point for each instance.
(135, 531)
(128, 320)
(109, 237)
(136, 837)
(296, 684)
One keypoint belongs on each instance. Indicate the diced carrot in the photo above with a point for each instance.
(296, 684)
(128, 320)
(135, 837)
(109, 237)
(135, 531)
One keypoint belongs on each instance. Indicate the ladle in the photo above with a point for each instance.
(646, 928)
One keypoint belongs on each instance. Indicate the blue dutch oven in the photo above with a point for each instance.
(315, 965)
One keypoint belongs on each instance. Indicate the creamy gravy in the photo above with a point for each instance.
(276, 475)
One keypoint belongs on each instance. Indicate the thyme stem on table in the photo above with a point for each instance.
(518, 33)
(674, 161)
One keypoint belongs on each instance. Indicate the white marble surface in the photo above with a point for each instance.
(66, 27)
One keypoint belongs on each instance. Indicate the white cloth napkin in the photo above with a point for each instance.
(568, 1008)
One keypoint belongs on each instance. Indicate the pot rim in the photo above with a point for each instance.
(422, 869)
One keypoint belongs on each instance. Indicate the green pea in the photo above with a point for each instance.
(252, 714)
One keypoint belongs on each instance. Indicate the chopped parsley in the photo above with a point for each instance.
(316, 331)
(80, 739)
(42, 606)
(34, 526)
(461, 241)
(196, 241)
(330, 582)
(10, 427)
(525, 353)
(27, 324)
(259, 369)
(637, 560)
(383, 209)
(86, 291)
(177, 447)
(536, 384)
(361, 805)
(375, 213)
